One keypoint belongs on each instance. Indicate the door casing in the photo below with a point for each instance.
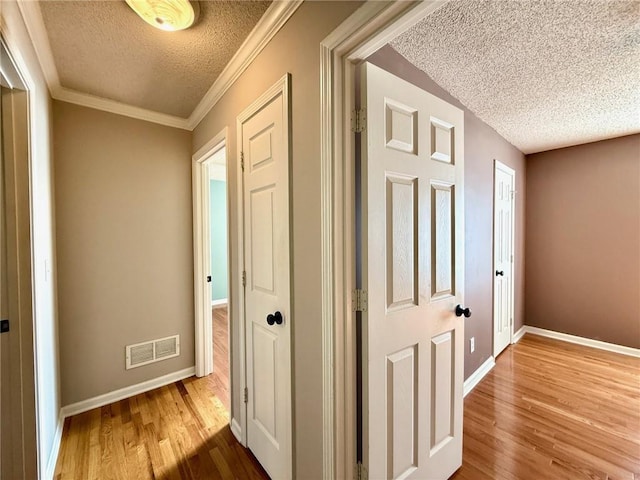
(202, 254)
(368, 29)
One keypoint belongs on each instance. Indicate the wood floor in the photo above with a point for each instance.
(554, 410)
(180, 431)
(548, 410)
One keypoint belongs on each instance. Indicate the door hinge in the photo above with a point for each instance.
(246, 395)
(359, 120)
(242, 160)
(4, 326)
(361, 472)
(244, 278)
(360, 300)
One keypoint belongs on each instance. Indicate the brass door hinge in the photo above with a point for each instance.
(242, 160)
(359, 120)
(361, 472)
(360, 300)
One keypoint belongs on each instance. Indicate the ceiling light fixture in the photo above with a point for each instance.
(168, 15)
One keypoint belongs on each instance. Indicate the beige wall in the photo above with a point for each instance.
(583, 240)
(295, 49)
(482, 145)
(124, 235)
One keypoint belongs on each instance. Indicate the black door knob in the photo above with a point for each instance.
(499, 272)
(274, 318)
(462, 311)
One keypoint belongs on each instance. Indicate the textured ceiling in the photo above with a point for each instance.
(543, 74)
(103, 48)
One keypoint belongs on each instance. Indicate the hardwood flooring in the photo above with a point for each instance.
(221, 356)
(180, 431)
(554, 410)
(549, 410)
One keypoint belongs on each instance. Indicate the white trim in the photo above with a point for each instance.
(112, 106)
(220, 303)
(476, 377)
(236, 430)
(55, 448)
(587, 342)
(370, 27)
(518, 335)
(202, 252)
(32, 16)
(127, 392)
(271, 22)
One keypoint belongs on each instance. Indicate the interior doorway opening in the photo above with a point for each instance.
(211, 267)
(219, 273)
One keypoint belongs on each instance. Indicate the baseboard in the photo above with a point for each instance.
(587, 342)
(519, 334)
(471, 382)
(55, 449)
(107, 398)
(236, 430)
(219, 303)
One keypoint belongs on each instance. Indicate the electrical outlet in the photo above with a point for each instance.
(472, 344)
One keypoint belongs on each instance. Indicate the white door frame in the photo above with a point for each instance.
(498, 165)
(202, 253)
(369, 28)
(24, 323)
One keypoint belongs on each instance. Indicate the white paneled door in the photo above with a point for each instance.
(263, 136)
(413, 269)
(503, 241)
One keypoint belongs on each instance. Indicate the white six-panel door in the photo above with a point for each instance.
(503, 237)
(263, 137)
(413, 270)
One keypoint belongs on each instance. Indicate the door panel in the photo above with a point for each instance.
(503, 261)
(263, 136)
(412, 267)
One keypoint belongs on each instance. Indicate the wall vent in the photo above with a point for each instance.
(152, 351)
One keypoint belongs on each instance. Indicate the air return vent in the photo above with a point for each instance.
(152, 351)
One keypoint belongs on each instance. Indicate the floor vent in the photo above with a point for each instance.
(152, 351)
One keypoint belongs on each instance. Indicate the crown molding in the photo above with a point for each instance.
(273, 19)
(107, 105)
(32, 16)
(271, 22)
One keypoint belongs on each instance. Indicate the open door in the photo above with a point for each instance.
(412, 253)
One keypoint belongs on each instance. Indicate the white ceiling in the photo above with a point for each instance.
(99, 54)
(104, 49)
(543, 73)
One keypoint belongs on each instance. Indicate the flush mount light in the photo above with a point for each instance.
(169, 15)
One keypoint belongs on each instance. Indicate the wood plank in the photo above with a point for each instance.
(551, 409)
(548, 409)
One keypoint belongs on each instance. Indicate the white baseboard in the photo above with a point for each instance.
(219, 303)
(519, 334)
(471, 382)
(107, 398)
(236, 430)
(587, 342)
(55, 449)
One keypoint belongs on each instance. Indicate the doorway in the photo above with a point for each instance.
(219, 272)
(503, 251)
(18, 408)
(211, 265)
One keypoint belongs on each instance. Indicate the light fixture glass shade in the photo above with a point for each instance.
(170, 15)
